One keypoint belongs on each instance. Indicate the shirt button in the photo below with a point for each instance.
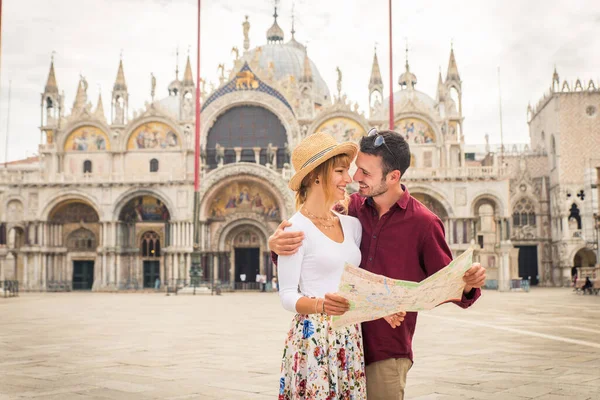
(370, 258)
(374, 236)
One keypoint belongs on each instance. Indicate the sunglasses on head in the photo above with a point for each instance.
(380, 140)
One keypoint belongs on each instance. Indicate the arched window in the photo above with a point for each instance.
(87, 167)
(150, 244)
(2, 233)
(524, 213)
(574, 215)
(154, 165)
(82, 240)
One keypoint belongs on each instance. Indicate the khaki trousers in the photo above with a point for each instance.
(386, 379)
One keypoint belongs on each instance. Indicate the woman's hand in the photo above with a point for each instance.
(395, 320)
(335, 304)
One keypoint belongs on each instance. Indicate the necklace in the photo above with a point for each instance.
(325, 222)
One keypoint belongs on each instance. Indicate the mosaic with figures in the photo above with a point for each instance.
(415, 131)
(87, 138)
(342, 129)
(144, 208)
(243, 197)
(153, 136)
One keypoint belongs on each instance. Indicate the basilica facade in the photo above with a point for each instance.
(108, 204)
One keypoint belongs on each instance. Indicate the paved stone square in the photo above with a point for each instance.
(539, 345)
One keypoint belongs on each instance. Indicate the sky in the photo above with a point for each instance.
(526, 40)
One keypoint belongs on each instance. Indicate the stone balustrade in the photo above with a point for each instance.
(35, 177)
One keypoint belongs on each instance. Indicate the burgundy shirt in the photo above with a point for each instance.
(407, 243)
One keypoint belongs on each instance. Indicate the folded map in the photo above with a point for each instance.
(375, 296)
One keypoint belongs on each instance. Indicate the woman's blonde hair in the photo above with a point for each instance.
(325, 171)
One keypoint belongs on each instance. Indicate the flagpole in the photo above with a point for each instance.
(6, 149)
(197, 139)
(7, 126)
(391, 72)
(196, 252)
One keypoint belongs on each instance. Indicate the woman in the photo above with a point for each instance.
(319, 362)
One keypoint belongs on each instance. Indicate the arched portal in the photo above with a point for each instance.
(144, 230)
(584, 258)
(246, 248)
(79, 229)
(151, 253)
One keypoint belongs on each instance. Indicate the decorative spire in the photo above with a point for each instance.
(339, 82)
(51, 86)
(275, 33)
(177, 64)
(555, 80)
(407, 80)
(452, 68)
(120, 81)
(406, 49)
(293, 30)
(188, 78)
(441, 89)
(375, 72)
(81, 96)
(307, 75)
(99, 113)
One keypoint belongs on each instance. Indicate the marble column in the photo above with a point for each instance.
(504, 267)
(256, 154)
(25, 270)
(188, 264)
(238, 154)
(117, 271)
(44, 272)
(216, 265)
(274, 166)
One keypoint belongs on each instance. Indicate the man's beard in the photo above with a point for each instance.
(377, 190)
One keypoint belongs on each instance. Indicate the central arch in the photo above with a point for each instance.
(246, 127)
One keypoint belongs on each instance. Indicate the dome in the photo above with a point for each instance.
(407, 79)
(275, 33)
(402, 97)
(175, 87)
(169, 104)
(288, 59)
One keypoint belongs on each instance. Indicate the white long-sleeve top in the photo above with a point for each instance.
(317, 266)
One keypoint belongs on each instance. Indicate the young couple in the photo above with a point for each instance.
(381, 228)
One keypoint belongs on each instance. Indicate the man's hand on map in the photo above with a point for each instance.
(336, 305)
(395, 320)
(285, 243)
(474, 277)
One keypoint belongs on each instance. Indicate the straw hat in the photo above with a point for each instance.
(313, 151)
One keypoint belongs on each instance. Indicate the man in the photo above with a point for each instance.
(401, 239)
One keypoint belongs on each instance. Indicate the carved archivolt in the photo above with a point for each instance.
(269, 178)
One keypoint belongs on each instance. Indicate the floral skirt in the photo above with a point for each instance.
(322, 363)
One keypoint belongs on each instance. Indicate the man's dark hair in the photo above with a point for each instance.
(395, 152)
